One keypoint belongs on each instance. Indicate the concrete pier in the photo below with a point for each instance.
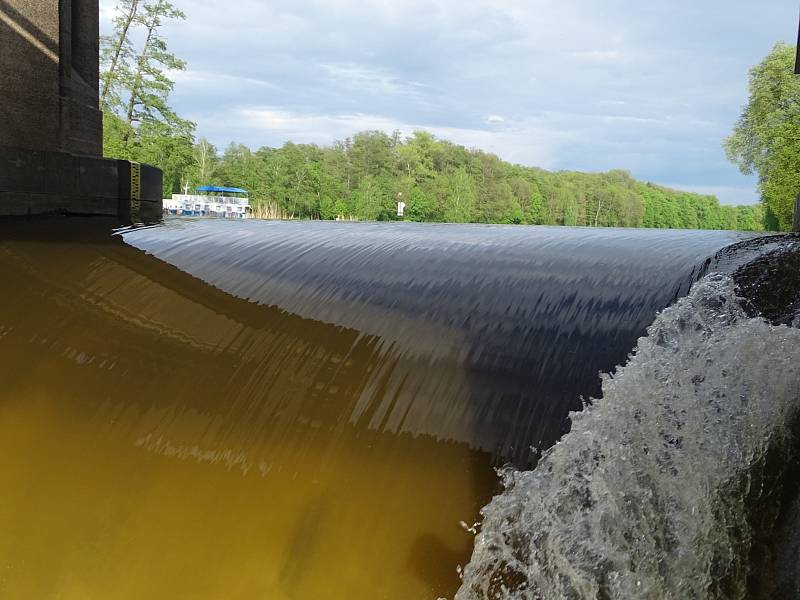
(51, 128)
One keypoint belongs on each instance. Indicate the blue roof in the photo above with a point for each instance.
(214, 188)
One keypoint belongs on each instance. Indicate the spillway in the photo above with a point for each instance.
(206, 409)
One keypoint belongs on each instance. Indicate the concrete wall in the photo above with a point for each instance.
(45, 182)
(81, 119)
(49, 75)
(51, 129)
(30, 112)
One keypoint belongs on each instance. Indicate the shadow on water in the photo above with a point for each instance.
(291, 410)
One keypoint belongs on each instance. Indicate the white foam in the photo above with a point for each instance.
(647, 496)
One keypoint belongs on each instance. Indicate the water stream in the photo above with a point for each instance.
(206, 409)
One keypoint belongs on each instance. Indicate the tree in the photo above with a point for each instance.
(364, 176)
(205, 161)
(421, 207)
(138, 122)
(170, 147)
(371, 154)
(766, 139)
(237, 168)
(498, 204)
(373, 200)
(458, 201)
(150, 87)
(116, 53)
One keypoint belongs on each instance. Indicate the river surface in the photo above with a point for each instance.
(212, 409)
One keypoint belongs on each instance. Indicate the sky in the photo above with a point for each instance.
(649, 86)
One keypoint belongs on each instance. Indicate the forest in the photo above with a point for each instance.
(365, 176)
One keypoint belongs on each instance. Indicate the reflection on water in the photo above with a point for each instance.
(489, 334)
(291, 410)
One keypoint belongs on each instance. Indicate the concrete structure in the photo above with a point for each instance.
(51, 132)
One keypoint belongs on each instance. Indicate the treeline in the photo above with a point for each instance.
(364, 177)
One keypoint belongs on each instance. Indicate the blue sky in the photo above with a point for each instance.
(651, 86)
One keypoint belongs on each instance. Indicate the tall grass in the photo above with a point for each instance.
(270, 211)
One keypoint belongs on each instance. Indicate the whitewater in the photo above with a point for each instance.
(674, 484)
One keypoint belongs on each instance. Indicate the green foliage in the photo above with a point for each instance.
(421, 206)
(116, 132)
(169, 147)
(117, 54)
(372, 199)
(766, 139)
(365, 176)
(147, 86)
(138, 122)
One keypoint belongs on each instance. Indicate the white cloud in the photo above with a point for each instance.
(362, 79)
(726, 194)
(600, 56)
(652, 87)
(527, 142)
(204, 79)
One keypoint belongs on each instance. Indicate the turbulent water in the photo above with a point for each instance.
(668, 486)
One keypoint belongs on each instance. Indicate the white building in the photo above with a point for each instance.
(217, 202)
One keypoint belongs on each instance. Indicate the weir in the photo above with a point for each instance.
(208, 409)
(299, 410)
(51, 129)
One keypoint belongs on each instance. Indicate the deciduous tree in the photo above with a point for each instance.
(766, 139)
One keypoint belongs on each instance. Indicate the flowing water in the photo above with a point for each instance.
(209, 409)
(681, 482)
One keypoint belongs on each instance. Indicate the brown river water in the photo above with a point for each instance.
(192, 411)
